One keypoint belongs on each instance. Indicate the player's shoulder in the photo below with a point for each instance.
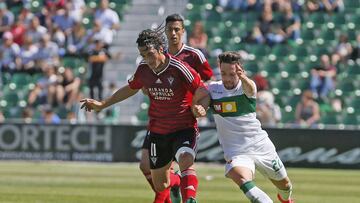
(195, 52)
(215, 85)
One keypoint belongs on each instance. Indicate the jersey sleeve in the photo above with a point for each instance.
(134, 81)
(192, 79)
(205, 71)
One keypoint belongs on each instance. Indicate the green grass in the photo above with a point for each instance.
(74, 182)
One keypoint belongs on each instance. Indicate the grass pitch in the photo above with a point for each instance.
(75, 182)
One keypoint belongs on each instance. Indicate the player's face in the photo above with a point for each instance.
(228, 75)
(151, 56)
(174, 32)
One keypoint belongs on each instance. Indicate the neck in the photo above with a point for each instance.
(162, 64)
(173, 49)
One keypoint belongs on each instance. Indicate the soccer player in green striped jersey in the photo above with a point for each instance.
(245, 144)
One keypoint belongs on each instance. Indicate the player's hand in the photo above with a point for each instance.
(91, 104)
(240, 72)
(198, 110)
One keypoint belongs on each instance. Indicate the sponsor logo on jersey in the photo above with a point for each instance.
(225, 107)
(158, 81)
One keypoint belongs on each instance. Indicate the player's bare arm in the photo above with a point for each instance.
(247, 83)
(120, 95)
(200, 102)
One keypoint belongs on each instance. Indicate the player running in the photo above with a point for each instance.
(174, 30)
(246, 146)
(172, 129)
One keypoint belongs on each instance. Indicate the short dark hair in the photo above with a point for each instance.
(231, 57)
(173, 18)
(150, 38)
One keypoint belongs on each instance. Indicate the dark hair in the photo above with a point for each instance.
(173, 18)
(149, 38)
(230, 57)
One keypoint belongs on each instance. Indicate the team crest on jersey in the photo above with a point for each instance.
(171, 80)
(225, 107)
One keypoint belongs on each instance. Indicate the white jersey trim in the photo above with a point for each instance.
(177, 53)
(183, 69)
(197, 52)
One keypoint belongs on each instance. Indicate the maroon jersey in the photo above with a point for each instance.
(170, 92)
(196, 59)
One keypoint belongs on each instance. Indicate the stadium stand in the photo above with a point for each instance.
(287, 66)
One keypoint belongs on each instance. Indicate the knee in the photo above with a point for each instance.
(185, 160)
(160, 186)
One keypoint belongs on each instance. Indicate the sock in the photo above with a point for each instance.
(174, 180)
(285, 194)
(254, 194)
(160, 197)
(188, 184)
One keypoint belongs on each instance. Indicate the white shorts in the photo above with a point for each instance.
(265, 160)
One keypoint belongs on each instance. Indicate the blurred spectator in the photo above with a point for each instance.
(77, 9)
(97, 59)
(325, 5)
(26, 15)
(2, 117)
(53, 5)
(63, 19)
(290, 22)
(48, 116)
(307, 110)
(25, 62)
(342, 51)
(35, 30)
(266, 30)
(6, 18)
(109, 19)
(67, 91)
(45, 88)
(323, 78)
(198, 38)
(58, 36)
(267, 111)
(48, 51)
(356, 49)
(76, 41)
(99, 33)
(27, 115)
(18, 30)
(9, 51)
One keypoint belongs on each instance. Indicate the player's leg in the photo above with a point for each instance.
(185, 147)
(161, 157)
(270, 165)
(241, 170)
(284, 188)
(144, 166)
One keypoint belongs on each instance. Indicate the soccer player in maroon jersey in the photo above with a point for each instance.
(172, 87)
(174, 30)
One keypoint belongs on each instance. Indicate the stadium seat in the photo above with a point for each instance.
(331, 118)
(21, 80)
(351, 119)
(345, 85)
(287, 117)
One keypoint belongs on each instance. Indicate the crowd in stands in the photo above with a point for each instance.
(40, 40)
(316, 42)
(278, 40)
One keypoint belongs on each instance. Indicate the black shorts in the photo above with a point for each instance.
(146, 142)
(162, 148)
